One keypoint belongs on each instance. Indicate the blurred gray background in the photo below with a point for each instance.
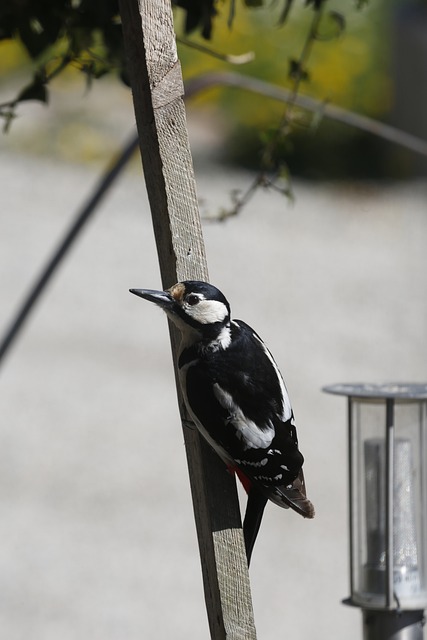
(97, 538)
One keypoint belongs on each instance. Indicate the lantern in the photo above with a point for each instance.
(387, 451)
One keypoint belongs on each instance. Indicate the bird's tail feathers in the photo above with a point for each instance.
(294, 496)
(253, 516)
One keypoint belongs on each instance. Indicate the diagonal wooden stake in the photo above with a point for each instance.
(157, 87)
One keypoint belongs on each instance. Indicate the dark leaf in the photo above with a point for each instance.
(253, 3)
(34, 43)
(296, 70)
(332, 26)
(285, 12)
(338, 19)
(39, 30)
(35, 91)
(231, 13)
(8, 116)
(316, 3)
(199, 15)
(7, 26)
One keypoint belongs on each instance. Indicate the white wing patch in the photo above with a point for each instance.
(252, 436)
(287, 409)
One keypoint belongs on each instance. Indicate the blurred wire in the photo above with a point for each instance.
(325, 109)
(61, 251)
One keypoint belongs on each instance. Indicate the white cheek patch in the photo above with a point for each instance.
(251, 435)
(208, 311)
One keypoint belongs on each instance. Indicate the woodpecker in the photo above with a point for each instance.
(237, 398)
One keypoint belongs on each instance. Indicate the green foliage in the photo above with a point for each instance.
(332, 53)
(83, 33)
(87, 35)
(325, 48)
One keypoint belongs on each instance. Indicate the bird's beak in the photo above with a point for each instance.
(162, 299)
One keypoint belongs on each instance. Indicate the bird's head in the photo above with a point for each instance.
(193, 306)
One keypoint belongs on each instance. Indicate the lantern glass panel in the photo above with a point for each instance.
(370, 494)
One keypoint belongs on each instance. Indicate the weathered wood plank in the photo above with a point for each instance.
(160, 114)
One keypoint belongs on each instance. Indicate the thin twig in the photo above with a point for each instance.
(242, 58)
(285, 124)
(286, 121)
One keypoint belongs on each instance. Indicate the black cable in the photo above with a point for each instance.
(77, 225)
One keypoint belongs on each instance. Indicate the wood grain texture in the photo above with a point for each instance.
(157, 88)
(154, 67)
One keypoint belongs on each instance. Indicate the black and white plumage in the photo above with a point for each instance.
(237, 398)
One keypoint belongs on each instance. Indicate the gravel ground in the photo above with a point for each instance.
(96, 524)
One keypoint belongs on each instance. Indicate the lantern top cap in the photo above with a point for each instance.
(398, 390)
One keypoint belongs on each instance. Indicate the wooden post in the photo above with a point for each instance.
(157, 87)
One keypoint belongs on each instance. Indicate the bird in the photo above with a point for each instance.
(236, 396)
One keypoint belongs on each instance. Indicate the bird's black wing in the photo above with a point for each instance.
(237, 395)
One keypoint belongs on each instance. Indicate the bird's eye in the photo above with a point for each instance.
(192, 299)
